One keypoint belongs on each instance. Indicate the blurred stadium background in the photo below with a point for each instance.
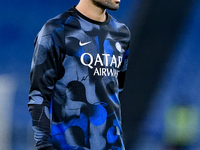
(161, 99)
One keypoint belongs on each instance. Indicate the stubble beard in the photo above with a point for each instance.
(106, 4)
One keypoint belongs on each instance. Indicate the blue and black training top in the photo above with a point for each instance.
(77, 73)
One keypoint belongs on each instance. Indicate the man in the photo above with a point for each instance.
(77, 73)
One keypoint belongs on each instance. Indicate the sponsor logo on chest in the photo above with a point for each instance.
(109, 65)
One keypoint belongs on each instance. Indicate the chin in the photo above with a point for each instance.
(115, 7)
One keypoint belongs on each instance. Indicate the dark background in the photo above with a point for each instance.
(160, 102)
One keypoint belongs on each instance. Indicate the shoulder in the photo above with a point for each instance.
(120, 25)
(118, 22)
(121, 28)
(53, 24)
(53, 29)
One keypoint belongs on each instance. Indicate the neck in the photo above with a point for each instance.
(88, 9)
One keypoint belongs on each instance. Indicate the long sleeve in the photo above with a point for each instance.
(122, 73)
(45, 68)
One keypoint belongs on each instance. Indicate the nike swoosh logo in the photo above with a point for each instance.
(83, 44)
